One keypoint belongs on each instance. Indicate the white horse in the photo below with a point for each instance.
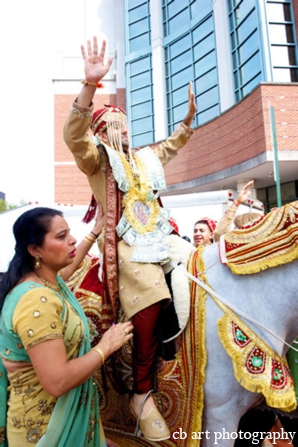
(269, 297)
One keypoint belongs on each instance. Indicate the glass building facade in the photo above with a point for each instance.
(248, 44)
(190, 57)
(139, 72)
(256, 36)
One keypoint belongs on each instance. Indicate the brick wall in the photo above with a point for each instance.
(239, 134)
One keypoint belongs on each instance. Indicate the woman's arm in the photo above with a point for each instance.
(84, 246)
(58, 375)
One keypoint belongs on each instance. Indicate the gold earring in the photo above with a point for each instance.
(37, 262)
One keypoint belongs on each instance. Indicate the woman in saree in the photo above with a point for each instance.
(46, 361)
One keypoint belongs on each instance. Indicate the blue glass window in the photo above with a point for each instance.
(250, 46)
(140, 110)
(204, 46)
(141, 95)
(142, 125)
(138, 17)
(246, 56)
(181, 45)
(206, 81)
(178, 96)
(205, 64)
(192, 57)
(179, 113)
(139, 42)
(178, 21)
(174, 8)
(138, 28)
(141, 80)
(180, 62)
(250, 69)
(185, 76)
(209, 114)
(139, 65)
(207, 99)
(133, 3)
(251, 85)
(247, 27)
(138, 13)
(139, 89)
(203, 29)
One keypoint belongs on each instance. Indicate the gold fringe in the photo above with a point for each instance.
(200, 300)
(283, 399)
(270, 242)
(249, 267)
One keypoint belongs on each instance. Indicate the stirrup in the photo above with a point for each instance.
(137, 430)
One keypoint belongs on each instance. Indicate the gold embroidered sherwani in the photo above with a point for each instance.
(140, 284)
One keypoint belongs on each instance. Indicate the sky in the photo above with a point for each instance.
(31, 33)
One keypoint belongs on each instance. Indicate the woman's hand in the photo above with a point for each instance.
(95, 69)
(99, 221)
(115, 337)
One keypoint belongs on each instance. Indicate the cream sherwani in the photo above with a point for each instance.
(140, 284)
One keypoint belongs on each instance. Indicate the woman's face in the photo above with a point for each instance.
(58, 249)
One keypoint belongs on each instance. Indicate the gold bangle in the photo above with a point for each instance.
(89, 239)
(88, 242)
(100, 353)
(230, 209)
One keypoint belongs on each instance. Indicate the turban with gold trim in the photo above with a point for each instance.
(109, 113)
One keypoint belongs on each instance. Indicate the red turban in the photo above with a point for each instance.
(108, 113)
(174, 224)
(209, 222)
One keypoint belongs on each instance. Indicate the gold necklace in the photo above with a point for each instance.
(49, 284)
(62, 291)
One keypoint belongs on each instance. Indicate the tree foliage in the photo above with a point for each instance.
(4, 206)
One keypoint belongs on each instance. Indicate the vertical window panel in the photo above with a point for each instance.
(138, 28)
(245, 42)
(190, 58)
(138, 13)
(282, 41)
(139, 42)
(139, 89)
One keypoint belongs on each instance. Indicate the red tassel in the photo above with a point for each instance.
(91, 211)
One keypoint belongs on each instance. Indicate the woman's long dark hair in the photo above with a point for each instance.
(30, 228)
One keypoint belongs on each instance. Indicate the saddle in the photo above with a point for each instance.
(270, 241)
